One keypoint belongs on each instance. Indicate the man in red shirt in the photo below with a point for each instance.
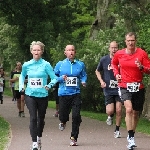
(128, 69)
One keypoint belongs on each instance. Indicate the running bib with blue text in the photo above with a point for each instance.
(113, 84)
(133, 87)
(35, 82)
(71, 81)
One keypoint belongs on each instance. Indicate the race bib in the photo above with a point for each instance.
(35, 82)
(133, 87)
(71, 81)
(113, 84)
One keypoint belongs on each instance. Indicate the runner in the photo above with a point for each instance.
(55, 93)
(36, 92)
(15, 79)
(69, 91)
(1, 86)
(130, 76)
(108, 82)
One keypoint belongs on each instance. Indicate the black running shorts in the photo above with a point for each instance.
(112, 99)
(137, 98)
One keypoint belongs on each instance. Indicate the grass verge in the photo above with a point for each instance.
(4, 125)
(4, 133)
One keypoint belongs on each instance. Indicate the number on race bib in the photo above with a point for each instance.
(133, 87)
(113, 84)
(36, 82)
(71, 81)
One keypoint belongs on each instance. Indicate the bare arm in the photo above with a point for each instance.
(14, 80)
(99, 77)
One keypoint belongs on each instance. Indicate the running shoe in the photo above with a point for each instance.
(131, 143)
(19, 114)
(56, 114)
(35, 146)
(109, 121)
(73, 142)
(62, 126)
(22, 114)
(117, 134)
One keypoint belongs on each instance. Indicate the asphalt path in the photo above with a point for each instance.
(94, 135)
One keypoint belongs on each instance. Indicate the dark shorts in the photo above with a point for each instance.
(22, 93)
(112, 99)
(17, 94)
(137, 98)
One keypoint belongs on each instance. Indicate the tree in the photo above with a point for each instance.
(105, 9)
(9, 45)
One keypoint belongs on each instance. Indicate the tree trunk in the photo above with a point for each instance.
(105, 20)
(146, 108)
(102, 17)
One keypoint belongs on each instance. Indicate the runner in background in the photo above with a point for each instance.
(56, 97)
(15, 79)
(108, 82)
(12, 85)
(1, 86)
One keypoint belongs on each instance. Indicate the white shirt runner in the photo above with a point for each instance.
(1, 86)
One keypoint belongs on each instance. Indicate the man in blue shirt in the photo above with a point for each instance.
(69, 91)
(108, 82)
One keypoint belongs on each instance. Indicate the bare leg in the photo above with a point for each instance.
(110, 113)
(110, 109)
(22, 103)
(118, 113)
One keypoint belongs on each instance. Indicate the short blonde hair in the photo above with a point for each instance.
(37, 43)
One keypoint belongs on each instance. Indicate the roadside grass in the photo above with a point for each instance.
(143, 124)
(4, 133)
(4, 125)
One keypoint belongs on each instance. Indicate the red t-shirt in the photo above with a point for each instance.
(128, 69)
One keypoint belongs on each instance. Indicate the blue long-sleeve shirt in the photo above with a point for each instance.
(76, 70)
(38, 72)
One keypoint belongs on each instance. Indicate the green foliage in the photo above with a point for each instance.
(9, 44)
(58, 23)
(90, 53)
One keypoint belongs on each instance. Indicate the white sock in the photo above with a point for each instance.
(38, 138)
(34, 145)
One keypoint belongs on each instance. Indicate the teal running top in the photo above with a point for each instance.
(38, 73)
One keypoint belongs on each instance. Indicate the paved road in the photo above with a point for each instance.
(94, 135)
